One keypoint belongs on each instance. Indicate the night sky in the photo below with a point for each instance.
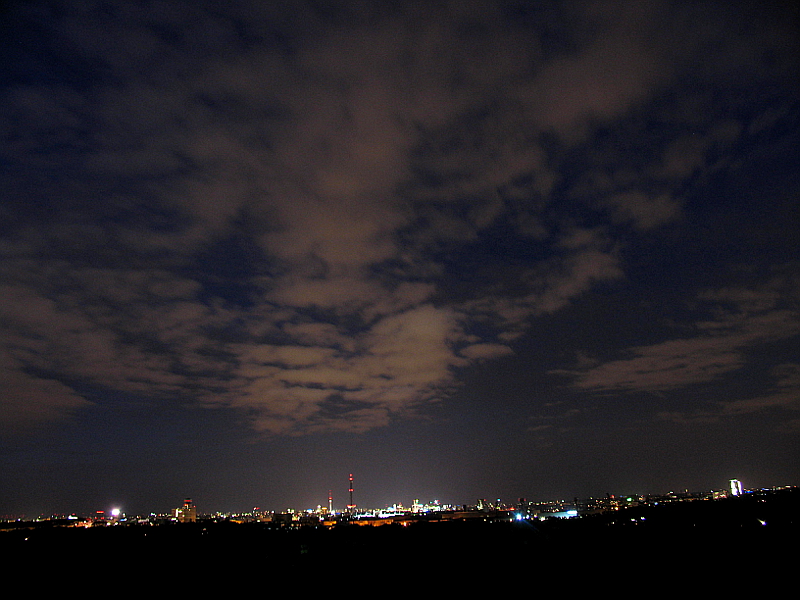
(461, 250)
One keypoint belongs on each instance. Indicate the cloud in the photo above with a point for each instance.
(486, 351)
(785, 395)
(31, 400)
(670, 364)
(643, 211)
(782, 394)
(318, 217)
(745, 319)
(402, 360)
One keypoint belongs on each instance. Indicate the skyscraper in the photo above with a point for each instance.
(187, 513)
(351, 506)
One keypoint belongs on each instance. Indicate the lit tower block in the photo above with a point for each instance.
(351, 506)
(736, 487)
(187, 513)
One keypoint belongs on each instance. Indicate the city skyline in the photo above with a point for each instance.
(501, 247)
(189, 506)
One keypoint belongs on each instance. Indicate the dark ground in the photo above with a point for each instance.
(680, 547)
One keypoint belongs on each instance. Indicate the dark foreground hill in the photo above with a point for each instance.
(747, 538)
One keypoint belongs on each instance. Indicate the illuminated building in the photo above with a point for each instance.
(187, 513)
(351, 507)
(736, 487)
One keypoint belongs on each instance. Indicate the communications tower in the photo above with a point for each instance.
(351, 506)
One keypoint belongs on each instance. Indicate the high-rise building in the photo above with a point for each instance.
(351, 507)
(736, 487)
(187, 513)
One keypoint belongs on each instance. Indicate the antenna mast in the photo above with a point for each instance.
(351, 506)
